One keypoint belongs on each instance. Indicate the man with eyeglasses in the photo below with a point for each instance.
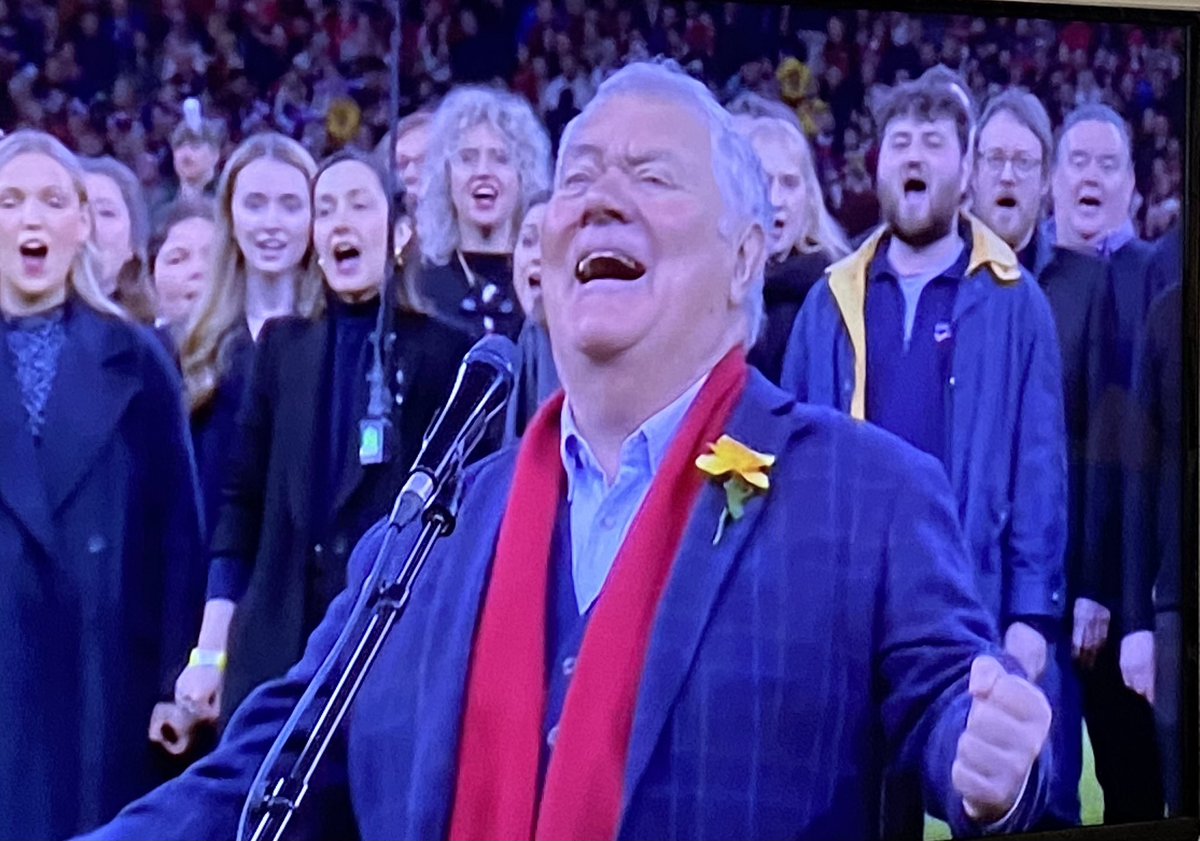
(1100, 282)
(1013, 160)
(1011, 181)
(933, 330)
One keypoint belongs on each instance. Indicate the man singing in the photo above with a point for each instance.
(933, 331)
(635, 631)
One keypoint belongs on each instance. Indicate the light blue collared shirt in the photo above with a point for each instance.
(601, 514)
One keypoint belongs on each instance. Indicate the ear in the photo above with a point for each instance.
(748, 263)
(968, 170)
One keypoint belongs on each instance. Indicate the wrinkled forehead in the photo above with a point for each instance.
(1096, 137)
(627, 128)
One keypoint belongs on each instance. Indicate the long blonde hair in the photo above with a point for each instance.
(822, 233)
(83, 277)
(222, 309)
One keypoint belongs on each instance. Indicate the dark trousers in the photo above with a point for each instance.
(1168, 699)
(1121, 727)
(1062, 689)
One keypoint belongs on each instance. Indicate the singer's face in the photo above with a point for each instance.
(182, 268)
(1093, 180)
(43, 224)
(350, 229)
(921, 179)
(112, 223)
(410, 158)
(527, 263)
(484, 184)
(634, 263)
(1009, 199)
(272, 216)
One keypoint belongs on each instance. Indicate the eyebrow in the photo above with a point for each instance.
(588, 150)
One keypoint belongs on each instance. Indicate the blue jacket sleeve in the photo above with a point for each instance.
(1037, 537)
(934, 626)
(206, 801)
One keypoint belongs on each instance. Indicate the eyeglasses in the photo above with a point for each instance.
(1023, 165)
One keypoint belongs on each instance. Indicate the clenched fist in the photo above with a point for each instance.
(1006, 729)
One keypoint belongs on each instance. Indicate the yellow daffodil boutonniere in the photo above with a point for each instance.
(742, 472)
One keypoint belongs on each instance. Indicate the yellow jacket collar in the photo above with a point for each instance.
(848, 282)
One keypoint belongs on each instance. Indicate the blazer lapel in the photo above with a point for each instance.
(760, 421)
(97, 376)
(21, 488)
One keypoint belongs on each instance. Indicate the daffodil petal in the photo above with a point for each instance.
(758, 480)
(712, 465)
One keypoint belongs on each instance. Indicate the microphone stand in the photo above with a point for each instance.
(383, 599)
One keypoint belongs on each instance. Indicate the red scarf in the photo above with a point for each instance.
(497, 789)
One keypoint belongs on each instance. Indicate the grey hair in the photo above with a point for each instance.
(462, 109)
(1027, 110)
(1096, 113)
(83, 277)
(736, 167)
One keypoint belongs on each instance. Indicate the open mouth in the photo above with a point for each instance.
(608, 265)
(1007, 202)
(485, 194)
(1089, 201)
(534, 279)
(914, 186)
(33, 256)
(346, 257)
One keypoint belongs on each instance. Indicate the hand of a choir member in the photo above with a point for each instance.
(1137, 663)
(1006, 729)
(172, 727)
(1028, 648)
(1090, 631)
(198, 692)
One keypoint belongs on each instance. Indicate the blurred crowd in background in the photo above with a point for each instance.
(110, 76)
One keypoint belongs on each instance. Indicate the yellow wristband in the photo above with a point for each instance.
(205, 657)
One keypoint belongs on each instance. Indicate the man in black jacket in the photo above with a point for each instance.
(1151, 653)
(1014, 150)
(1102, 278)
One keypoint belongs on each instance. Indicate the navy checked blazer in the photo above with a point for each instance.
(823, 646)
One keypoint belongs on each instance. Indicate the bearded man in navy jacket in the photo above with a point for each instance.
(614, 644)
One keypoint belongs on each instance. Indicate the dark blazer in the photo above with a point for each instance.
(1153, 458)
(828, 636)
(214, 425)
(103, 570)
(272, 516)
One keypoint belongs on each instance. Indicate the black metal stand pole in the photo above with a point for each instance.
(276, 793)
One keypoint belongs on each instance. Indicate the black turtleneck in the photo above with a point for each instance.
(351, 326)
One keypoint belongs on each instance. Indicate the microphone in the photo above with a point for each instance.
(485, 379)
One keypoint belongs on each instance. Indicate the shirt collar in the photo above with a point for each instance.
(1117, 240)
(881, 266)
(1108, 245)
(653, 437)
